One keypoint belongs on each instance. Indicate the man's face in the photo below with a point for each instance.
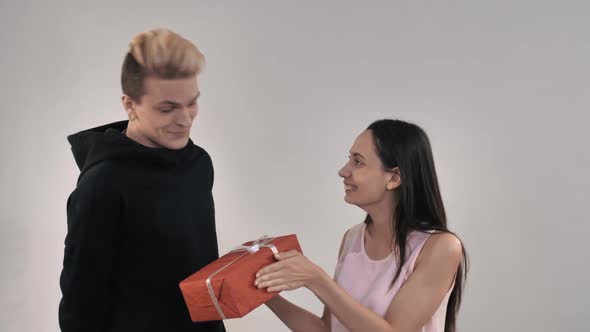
(165, 113)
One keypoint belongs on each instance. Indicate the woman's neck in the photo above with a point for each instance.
(381, 227)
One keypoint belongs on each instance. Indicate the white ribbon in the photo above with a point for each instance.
(261, 242)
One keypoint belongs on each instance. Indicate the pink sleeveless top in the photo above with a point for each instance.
(368, 281)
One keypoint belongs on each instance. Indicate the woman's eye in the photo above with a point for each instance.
(355, 161)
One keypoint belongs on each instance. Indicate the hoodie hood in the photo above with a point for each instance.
(108, 142)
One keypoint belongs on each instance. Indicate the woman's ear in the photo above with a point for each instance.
(394, 179)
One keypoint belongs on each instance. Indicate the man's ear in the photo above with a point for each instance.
(128, 103)
(129, 106)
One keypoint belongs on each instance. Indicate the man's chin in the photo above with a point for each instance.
(176, 144)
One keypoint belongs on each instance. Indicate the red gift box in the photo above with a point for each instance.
(225, 288)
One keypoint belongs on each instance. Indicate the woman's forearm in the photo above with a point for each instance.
(355, 316)
(296, 318)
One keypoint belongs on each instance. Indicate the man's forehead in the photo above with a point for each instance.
(179, 91)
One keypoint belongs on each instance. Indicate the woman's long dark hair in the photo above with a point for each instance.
(420, 206)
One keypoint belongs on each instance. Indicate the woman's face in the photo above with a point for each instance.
(366, 182)
(166, 112)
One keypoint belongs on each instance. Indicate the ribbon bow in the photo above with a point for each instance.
(261, 242)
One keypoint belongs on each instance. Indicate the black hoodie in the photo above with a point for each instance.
(139, 221)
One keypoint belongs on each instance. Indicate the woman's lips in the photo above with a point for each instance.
(349, 187)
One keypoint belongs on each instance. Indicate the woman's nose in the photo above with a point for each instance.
(344, 172)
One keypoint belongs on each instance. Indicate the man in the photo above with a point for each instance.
(141, 218)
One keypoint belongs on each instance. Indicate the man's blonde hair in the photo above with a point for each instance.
(160, 53)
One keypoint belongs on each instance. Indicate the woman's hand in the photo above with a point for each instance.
(292, 271)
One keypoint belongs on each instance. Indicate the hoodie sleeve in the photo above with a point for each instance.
(94, 211)
(211, 181)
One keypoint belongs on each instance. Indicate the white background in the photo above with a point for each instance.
(501, 87)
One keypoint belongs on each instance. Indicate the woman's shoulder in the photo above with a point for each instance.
(441, 247)
(349, 236)
(353, 232)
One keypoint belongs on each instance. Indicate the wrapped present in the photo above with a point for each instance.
(225, 288)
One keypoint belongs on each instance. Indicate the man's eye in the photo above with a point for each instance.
(166, 110)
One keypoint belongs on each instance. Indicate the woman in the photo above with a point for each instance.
(141, 218)
(401, 269)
